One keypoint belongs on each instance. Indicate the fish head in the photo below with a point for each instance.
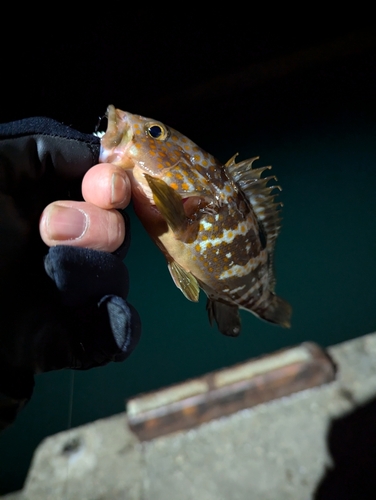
(143, 144)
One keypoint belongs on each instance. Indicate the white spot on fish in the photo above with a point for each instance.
(238, 289)
(240, 271)
(260, 284)
(228, 236)
(207, 225)
(228, 255)
(248, 294)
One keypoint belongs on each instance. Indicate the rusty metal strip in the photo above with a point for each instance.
(220, 393)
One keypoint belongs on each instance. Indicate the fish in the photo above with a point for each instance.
(216, 223)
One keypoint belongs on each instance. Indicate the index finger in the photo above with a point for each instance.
(106, 186)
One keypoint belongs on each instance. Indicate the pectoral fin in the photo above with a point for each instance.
(185, 281)
(168, 202)
(225, 315)
(170, 205)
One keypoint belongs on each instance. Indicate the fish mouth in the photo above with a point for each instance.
(116, 140)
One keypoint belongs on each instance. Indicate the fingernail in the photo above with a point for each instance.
(66, 223)
(118, 189)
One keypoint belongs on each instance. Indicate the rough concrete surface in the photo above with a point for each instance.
(96, 461)
(274, 451)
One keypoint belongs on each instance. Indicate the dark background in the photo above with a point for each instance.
(301, 98)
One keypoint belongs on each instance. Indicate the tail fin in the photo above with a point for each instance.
(275, 310)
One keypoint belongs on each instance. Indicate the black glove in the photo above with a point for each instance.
(62, 307)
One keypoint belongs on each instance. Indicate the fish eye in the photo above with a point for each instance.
(157, 131)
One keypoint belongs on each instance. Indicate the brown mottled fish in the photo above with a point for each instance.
(216, 224)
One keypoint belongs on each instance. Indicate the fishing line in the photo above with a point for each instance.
(69, 426)
(70, 404)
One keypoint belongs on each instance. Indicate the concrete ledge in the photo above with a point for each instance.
(315, 444)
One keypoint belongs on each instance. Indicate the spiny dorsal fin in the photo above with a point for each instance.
(244, 167)
(259, 194)
(231, 161)
(185, 281)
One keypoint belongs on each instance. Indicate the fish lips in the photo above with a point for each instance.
(117, 139)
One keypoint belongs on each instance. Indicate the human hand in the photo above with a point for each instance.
(93, 223)
(66, 306)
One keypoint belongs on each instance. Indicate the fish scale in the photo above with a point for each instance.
(216, 224)
(184, 180)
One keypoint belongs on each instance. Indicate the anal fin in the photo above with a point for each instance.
(225, 315)
(185, 281)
